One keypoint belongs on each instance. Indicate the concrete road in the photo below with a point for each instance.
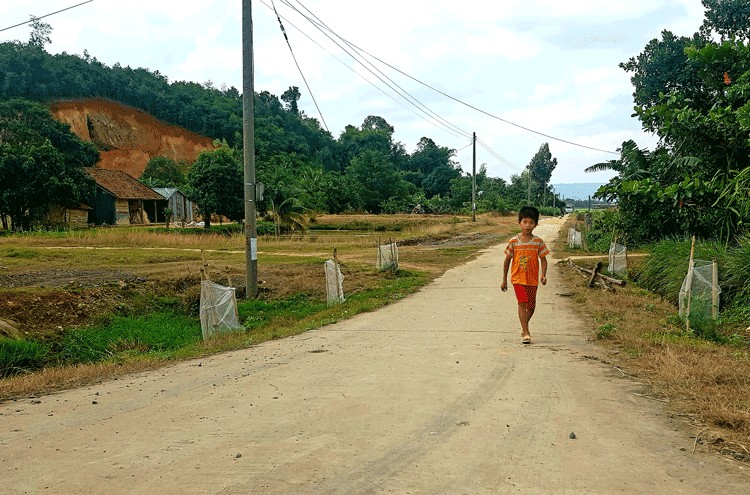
(434, 394)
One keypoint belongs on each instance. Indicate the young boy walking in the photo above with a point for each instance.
(527, 252)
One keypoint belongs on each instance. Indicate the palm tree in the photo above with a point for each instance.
(633, 163)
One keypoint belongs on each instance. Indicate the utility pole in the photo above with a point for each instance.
(248, 148)
(474, 180)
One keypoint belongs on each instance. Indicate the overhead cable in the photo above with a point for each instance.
(458, 133)
(320, 25)
(298, 67)
(467, 104)
(46, 15)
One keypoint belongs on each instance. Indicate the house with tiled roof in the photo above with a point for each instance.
(121, 199)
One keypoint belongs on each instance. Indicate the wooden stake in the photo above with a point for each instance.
(204, 268)
(715, 290)
(336, 273)
(689, 284)
(229, 277)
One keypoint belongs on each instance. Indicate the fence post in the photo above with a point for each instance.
(689, 285)
(336, 272)
(715, 290)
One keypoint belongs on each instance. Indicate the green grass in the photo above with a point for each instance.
(165, 333)
(159, 332)
(18, 356)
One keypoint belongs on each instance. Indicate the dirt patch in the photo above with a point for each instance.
(44, 314)
(62, 278)
(448, 241)
(128, 138)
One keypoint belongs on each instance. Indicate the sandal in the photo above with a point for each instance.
(526, 339)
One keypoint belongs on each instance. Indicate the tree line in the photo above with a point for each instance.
(693, 92)
(302, 166)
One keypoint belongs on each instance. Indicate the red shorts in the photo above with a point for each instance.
(525, 293)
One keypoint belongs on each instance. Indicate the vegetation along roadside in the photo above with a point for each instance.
(135, 304)
(700, 374)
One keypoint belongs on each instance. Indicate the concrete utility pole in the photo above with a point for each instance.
(474, 180)
(248, 148)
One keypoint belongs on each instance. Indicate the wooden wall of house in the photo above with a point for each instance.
(71, 217)
(78, 218)
(122, 212)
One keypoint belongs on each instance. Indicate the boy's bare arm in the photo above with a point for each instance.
(544, 270)
(506, 265)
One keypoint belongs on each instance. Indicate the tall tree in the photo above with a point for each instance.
(291, 96)
(40, 32)
(215, 184)
(541, 167)
(162, 172)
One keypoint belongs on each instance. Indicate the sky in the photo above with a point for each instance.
(547, 65)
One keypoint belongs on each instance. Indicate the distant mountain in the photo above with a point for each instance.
(579, 190)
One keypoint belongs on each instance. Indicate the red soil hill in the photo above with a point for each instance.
(128, 138)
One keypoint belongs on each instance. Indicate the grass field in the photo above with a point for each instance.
(84, 305)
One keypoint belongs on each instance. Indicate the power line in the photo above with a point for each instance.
(320, 23)
(47, 15)
(498, 156)
(428, 119)
(475, 108)
(345, 65)
(298, 67)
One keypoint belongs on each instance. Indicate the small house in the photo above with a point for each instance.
(182, 208)
(74, 215)
(120, 198)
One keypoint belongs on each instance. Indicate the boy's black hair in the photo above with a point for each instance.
(528, 212)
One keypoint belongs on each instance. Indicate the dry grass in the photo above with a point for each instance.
(703, 381)
(55, 379)
(166, 264)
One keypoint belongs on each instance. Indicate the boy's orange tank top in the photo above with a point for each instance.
(525, 269)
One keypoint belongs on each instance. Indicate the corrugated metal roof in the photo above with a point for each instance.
(121, 184)
(167, 192)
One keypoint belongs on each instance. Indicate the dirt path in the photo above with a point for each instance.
(431, 395)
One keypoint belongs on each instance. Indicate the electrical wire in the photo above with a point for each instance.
(47, 15)
(463, 134)
(320, 24)
(467, 104)
(345, 65)
(498, 156)
(283, 31)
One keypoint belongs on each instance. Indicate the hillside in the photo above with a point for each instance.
(128, 138)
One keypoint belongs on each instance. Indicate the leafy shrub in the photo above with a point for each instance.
(17, 356)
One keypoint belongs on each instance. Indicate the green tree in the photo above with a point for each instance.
(291, 96)
(376, 179)
(41, 163)
(162, 172)
(215, 183)
(40, 32)
(727, 18)
(541, 167)
(433, 167)
(378, 124)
